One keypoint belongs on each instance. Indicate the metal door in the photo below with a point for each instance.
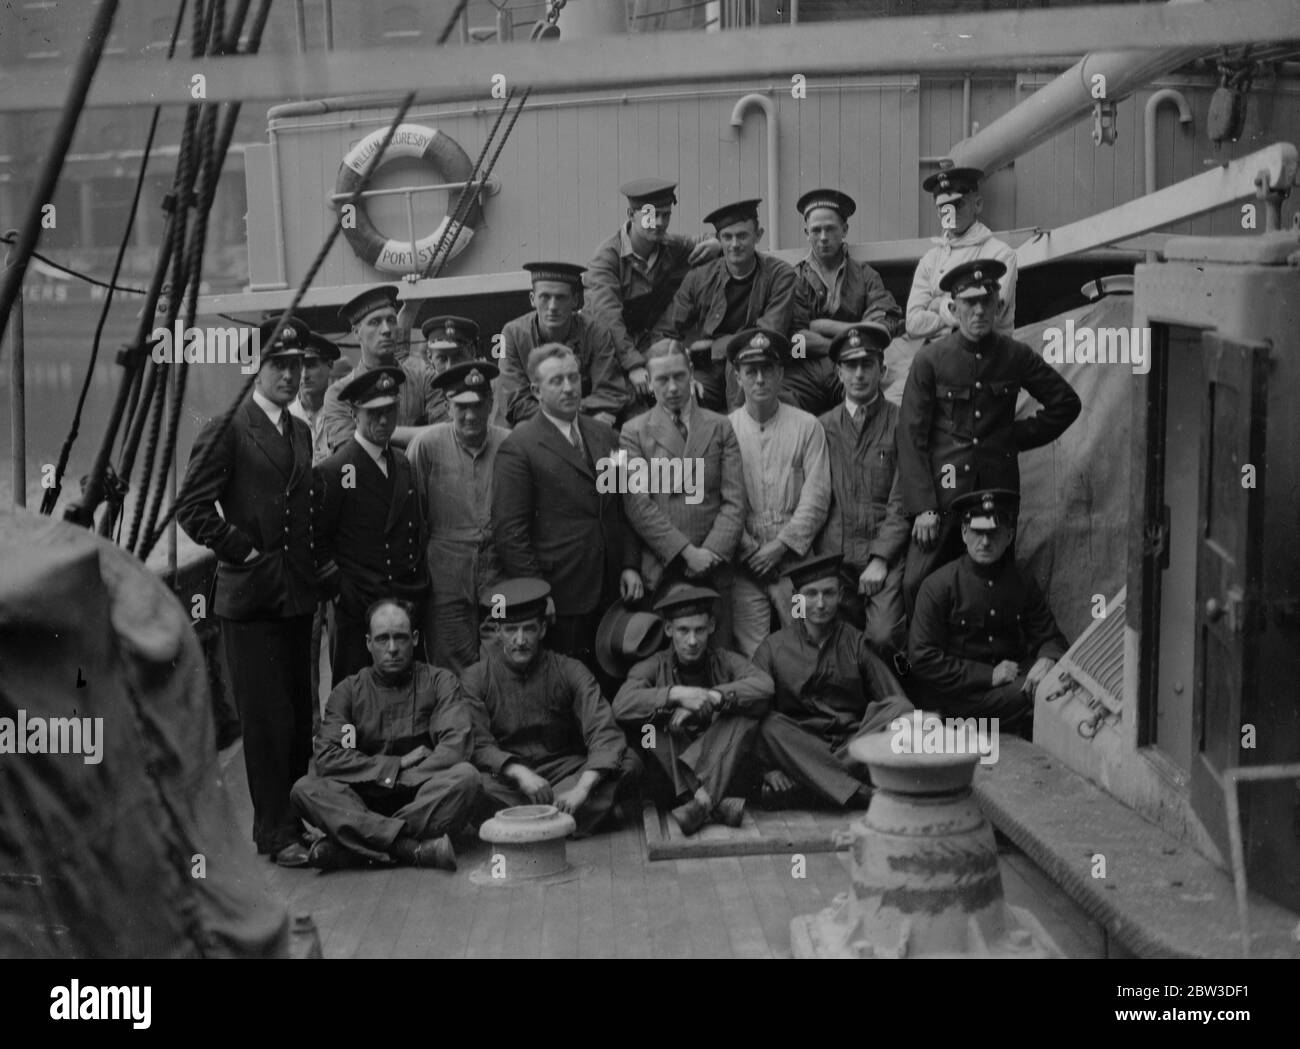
(1228, 570)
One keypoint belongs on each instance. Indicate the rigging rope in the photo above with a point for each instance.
(223, 423)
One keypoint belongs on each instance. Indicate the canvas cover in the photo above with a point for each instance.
(136, 854)
(1074, 516)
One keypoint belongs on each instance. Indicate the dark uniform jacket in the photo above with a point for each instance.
(628, 300)
(604, 386)
(862, 297)
(370, 531)
(970, 617)
(417, 401)
(550, 520)
(959, 408)
(866, 515)
(264, 489)
(829, 688)
(552, 710)
(745, 689)
(700, 304)
(388, 721)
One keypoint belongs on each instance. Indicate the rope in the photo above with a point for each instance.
(223, 424)
(467, 191)
(451, 22)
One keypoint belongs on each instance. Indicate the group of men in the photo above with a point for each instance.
(505, 626)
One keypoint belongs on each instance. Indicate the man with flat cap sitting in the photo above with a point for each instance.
(689, 533)
(453, 464)
(250, 503)
(743, 289)
(866, 524)
(372, 317)
(962, 238)
(957, 428)
(543, 733)
(392, 779)
(831, 688)
(368, 518)
(787, 485)
(833, 292)
(633, 276)
(982, 637)
(556, 298)
(695, 707)
(448, 341)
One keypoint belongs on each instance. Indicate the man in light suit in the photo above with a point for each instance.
(689, 533)
(368, 519)
(550, 517)
(259, 472)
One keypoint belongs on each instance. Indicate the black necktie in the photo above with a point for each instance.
(681, 426)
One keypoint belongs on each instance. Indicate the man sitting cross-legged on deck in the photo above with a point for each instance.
(830, 689)
(543, 733)
(695, 708)
(392, 778)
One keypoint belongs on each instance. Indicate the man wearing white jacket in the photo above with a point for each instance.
(964, 239)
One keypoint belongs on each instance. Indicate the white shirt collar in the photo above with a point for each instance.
(853, 409)
(374, 451)
(270, 408)
(565, 428)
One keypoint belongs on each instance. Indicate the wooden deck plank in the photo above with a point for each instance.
(405, 886)
(523, 937)
(708, 932)
(596, 926)
(354, 908)
(450, 939)
(771, 906)
(669, 927)
(561, 913)
(489, 906)
(739, 914)
(632, 918)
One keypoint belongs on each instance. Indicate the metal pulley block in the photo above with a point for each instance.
(1104, 128)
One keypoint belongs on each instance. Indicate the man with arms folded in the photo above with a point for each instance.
(698, 705)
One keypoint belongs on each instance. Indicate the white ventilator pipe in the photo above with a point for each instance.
(1065, 100)
(773, 160)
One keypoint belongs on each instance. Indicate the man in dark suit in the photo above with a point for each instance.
(689, 532)
(367, 519)
(957, 428)
(551, 519)
(259, 471)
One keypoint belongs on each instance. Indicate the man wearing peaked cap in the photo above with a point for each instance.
(982, 637)
(958, 430)
(454, 465)
(449, 340)
(259, 471)
(830, 689)
(866, 523)
(833, 292)
(543, 732)
(373, 317)
(745, 288)
(368, 519)
(787, 482)
(556, 298)
(699, 705)
(633, 276)
(962, 238)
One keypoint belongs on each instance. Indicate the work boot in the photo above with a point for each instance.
(730, 812)
(329, 855)
(436, 853)
(695, 813)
